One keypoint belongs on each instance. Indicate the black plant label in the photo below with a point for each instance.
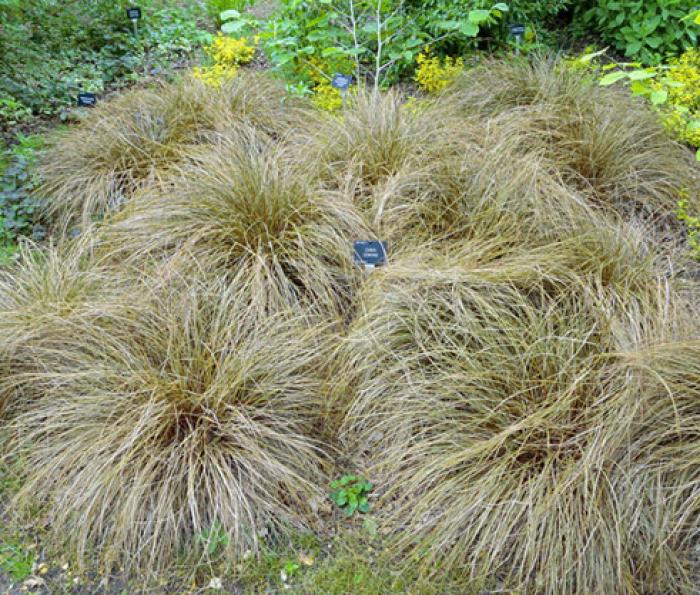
(370, 252)
(341, 81)
(87, 99)
(133, 13)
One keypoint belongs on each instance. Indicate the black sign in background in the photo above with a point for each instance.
(133, 13)
(516, 30)
(370, 252)
(341, 81)
(87, 99)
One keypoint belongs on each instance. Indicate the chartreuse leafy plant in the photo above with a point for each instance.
(227, 55)
(350, 494)
(672, 88)
(434, 74)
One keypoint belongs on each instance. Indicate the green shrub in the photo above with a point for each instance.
(374, 41)
(648, 31)
(51, 50)
(216, 7)
(20, 202)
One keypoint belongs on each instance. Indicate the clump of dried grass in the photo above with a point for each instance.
(182, 424)
(130, 142)
(600, 140)
(242, 210)
(521, 379)
(492, 411)
(40, 296)
(380, 151)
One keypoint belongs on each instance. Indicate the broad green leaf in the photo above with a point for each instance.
(282, 58)
(633, 47)
(641, 75)
(654, 41)
(588, 57)
(469, 29)
(233, 27)
(227, 15)
(370, 28)
(325, 53)
(612, 77)
(448, 25)
(478, 16)
(502, 6)
(356, 51)
(659, 97)
(639, 88)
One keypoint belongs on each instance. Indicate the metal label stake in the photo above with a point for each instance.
(342, 82)
(135, 15)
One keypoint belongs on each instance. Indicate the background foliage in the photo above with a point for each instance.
(647, 30)
(51, 49)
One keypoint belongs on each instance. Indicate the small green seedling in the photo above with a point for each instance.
(350, 494)
(291, 569)
(214, 539)
(16, 561)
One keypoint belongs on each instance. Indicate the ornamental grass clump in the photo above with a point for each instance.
(431, 174)
(183, 424)
(128, 143)
(40, 296)
(495, 416)
(601, 141)
(379, 149)
(242, 211)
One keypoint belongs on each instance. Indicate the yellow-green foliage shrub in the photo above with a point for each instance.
(325, 96)
(227, 55)
(674, 88)
(433, 75)
(682, 113)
